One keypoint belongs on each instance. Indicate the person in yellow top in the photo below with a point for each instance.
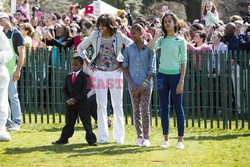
(27, 30)
(122, 14)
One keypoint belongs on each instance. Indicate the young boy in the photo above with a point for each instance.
(75, 93)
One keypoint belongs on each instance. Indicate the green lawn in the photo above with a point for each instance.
(204, 147)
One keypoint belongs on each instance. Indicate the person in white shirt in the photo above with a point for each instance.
(5, 55)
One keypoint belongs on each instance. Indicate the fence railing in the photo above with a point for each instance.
(216, 90)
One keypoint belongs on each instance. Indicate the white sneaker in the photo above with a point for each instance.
(102, 142)
(14, 128)
(146, 143)
(139, 142)
(120, 143)
(165, 144)
(5, 136)
(180, 145)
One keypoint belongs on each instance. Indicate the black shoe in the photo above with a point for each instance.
(93, 144)
(60, 142)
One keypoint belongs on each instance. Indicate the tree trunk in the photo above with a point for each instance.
(193, 10)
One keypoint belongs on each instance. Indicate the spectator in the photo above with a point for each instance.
(75, 31)
(209, 29)
(221, 29)
(247, 18)
(74, 15)
(219, 52)
(234, 46)
(194, 28)
(218, 49)
(49, 24)
(37, 42)
(244, 44)
(200, 46)
(164, 10)
(26, 29)
(235, 18)
(129, 16)
(122, 15)
(66, 20)
(64, 41)
(210, 14)
(19, 16)
(185, 34)
(23, 6)
(87, 28)
(228, 33)
(14, 67)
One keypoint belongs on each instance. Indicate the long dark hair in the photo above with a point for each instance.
(108, 20)
(174, 18)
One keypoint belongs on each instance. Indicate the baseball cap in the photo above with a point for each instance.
(3, 15)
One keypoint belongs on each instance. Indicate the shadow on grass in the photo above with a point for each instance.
(83, 149)
(60, 129)
(219, 137)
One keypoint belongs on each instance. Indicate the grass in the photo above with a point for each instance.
(204, 147)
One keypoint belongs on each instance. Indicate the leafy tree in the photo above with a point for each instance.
(5, 6)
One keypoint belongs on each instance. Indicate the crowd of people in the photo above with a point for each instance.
(108, 46)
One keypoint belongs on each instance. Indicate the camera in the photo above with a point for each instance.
(35, 8)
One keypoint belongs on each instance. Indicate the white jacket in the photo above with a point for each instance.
(5, 50)
(95, 39)
(5, 55)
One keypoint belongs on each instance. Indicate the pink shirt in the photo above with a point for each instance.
(25, 10)
(201, 49)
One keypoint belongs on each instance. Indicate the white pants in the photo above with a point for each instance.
(4, 83)
(236, 79)
(112, 80)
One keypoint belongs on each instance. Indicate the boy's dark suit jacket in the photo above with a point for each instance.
(78, 91)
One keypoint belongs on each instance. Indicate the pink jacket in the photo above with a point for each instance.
(201, 49)
(25, 10)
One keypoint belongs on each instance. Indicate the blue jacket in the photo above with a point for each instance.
(234, 45)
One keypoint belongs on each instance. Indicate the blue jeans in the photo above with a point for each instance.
(14, 115)
(167, 84)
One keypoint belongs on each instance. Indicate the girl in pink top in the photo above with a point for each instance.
(24, 7)
(210, 14)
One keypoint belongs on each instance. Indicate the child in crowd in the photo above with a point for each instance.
(210, 14)
(37, 42)
(23, 6)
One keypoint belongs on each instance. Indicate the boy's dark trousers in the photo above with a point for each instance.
(77, 90)
(71, 117)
